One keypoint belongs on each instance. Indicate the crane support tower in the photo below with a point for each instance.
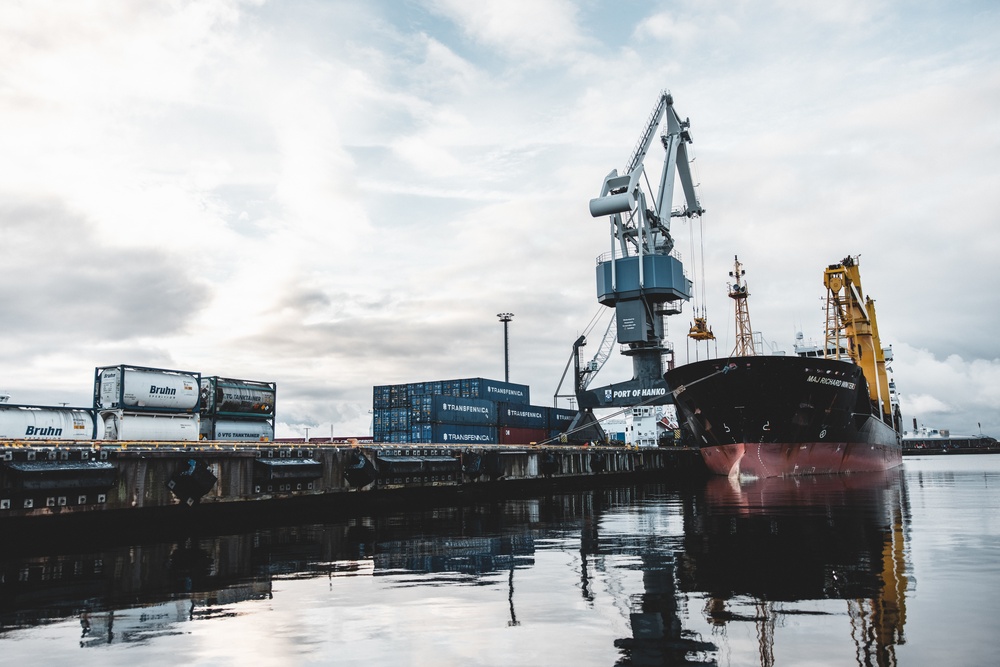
(641, 277)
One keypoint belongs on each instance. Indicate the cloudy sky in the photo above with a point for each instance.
(333, 195)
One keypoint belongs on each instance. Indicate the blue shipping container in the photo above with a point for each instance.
(398, 396)
(561, 418)
(524, 416)
(494, 390)
(463, 434)
(421, 433)
(399, 419)
(457, 410)
(381, 396)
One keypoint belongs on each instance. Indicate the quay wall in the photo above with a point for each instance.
(49, 479)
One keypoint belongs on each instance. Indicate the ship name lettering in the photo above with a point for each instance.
(843, 384)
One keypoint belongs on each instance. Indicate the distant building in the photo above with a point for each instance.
(649, 426)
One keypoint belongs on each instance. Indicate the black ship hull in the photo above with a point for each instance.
(771, 416)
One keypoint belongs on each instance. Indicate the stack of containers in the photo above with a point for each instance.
(452, 419)
(139, 403)
(522, 424)
(237, 410)
(443, 411)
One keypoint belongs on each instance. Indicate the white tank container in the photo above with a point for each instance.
(222, 395)
(29, 422)
(126, 387)
(242, 431)
(121, 425)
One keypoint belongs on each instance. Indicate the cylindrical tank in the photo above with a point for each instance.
(147, 388)
(121, 425)
(243, 397)
(239, 430)
(30, 422)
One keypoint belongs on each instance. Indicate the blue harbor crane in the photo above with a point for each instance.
(641, 276)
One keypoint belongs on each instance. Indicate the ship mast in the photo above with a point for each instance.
(850, 317)
(738, 293)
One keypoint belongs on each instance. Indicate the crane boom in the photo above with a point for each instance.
(646, 139)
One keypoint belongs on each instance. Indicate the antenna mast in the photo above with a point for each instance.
(738, 292)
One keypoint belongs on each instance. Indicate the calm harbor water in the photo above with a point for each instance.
(897, 569)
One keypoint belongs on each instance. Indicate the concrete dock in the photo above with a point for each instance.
(146, 480)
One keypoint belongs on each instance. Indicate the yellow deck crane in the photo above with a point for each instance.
(851, 327)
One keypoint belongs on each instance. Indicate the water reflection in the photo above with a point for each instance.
(682, 568)
(763, 542)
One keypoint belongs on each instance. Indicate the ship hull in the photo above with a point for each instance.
(779, 416)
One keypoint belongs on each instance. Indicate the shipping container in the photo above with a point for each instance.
(494, 390)
(452, 434)
(399, 419)
(561, 418)
(122, 425)
(236, 430)
(422, 433)
(139, 388)
(513, 435)
(237, 398)
(452, 410)
(381, 397)
(380, 419)
(524, 416)
(399, 396)
(39, 422)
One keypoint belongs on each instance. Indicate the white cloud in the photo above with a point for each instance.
(334, 196)
(523, 29)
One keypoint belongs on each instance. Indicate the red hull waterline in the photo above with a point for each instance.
(779, 459)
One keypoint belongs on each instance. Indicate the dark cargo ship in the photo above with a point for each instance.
(770, 416)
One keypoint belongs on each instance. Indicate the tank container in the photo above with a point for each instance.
(37, 422)
(238, 398)
(237, 430)
(122, 425)
(135, 387)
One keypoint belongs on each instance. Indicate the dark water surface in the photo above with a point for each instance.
(898, 569)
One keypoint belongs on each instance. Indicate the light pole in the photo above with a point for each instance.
(506, 318)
